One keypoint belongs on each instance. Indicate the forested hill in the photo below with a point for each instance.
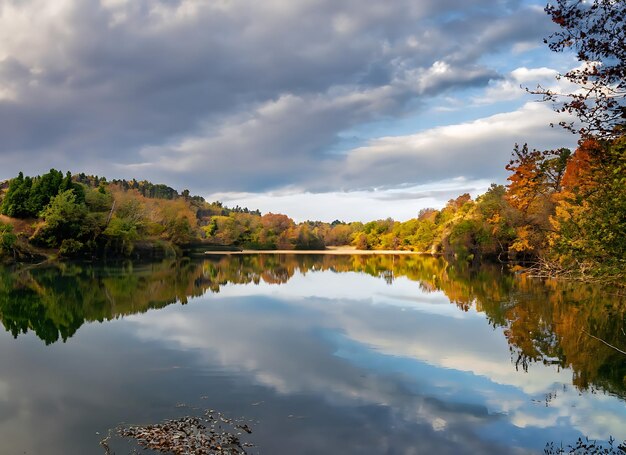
(563, 210)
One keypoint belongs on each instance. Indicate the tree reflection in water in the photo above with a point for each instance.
(544, 321)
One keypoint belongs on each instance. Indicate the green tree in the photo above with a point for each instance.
(121, 234)
(496, 217)
(7, 238)
(98, 200)
(45, 187)
(62, 219)
(15, 203)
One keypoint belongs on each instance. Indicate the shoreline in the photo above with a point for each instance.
(336, 252)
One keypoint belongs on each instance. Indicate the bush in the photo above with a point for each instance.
(7, 238)
(71, 247)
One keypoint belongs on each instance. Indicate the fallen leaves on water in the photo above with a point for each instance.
(209, 434)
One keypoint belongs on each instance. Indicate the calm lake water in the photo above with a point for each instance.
(325, 354)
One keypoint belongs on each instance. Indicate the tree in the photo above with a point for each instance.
(306, 238)
(424, 236)
(590, 219)
(44, 188)
(63, 219)
(360, 241)
(121, 234)
(276, 230)
(338, 234)
(495, 214)
(534, 174)
(596, 30)
(15, 203)
(28, 196)
(535, 177)
(7, 238)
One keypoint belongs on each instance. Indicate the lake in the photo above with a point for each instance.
(320, 354)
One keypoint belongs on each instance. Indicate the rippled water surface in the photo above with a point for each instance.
(325, 354)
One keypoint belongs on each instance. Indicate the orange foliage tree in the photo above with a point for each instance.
(589, 222)
(535, 177)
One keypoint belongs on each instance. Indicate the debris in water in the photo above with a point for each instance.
(190, 435)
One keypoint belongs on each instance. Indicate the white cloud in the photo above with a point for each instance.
(362, 205)
(476, 149)
(7, 94)
(514, 85)
(533, 75)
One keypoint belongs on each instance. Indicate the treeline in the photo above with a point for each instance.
(564, 210)
(85, 215)
(27, 196)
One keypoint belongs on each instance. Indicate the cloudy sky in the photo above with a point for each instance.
(322, 109)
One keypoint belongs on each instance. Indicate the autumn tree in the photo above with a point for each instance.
(424, 236)
(223, 230)
(535, 177)
(379, 234)
(338, 234)
(445, 220)
(589, 223)
(596, 31)
(360, 241)
(276, 231)
(178, 220)
(307, 238)
(495, 216)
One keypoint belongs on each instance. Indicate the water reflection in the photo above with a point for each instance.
(545, 321)
(326, 344)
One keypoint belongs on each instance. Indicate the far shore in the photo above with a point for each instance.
(330, 251)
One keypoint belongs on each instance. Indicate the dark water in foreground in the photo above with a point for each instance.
(329, 354)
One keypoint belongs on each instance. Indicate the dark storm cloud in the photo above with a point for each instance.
(228, 95)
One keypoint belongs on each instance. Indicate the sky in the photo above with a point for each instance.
(321, 109)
